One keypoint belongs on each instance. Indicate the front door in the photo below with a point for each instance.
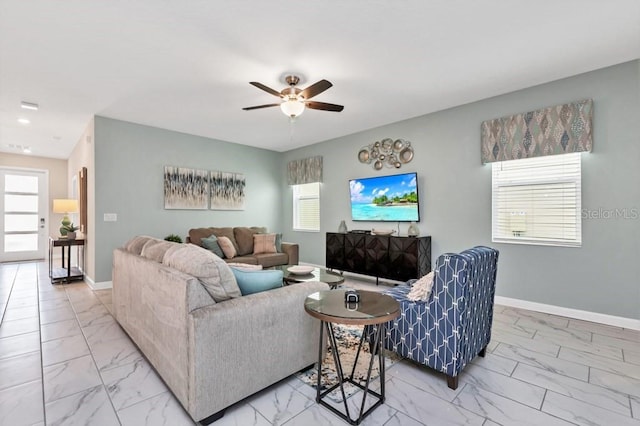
(23, 214)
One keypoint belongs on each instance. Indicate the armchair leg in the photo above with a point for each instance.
(483, 352)
(452, 382)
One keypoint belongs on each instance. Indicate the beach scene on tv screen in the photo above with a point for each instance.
(385, 198)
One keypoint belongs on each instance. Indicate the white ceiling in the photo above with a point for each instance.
(185, 65)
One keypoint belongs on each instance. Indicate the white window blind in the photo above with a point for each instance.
(306, 207)
(538, 201)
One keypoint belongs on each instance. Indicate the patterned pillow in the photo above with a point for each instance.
(421, 289)
(264, 243)
(227, 247)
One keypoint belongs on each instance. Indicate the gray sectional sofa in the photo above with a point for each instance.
(211, 346)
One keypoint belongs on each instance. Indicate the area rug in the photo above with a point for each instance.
(348, 338)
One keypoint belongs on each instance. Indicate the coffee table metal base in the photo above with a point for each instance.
(376, 331)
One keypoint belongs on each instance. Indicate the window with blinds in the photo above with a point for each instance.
(306, 207)
(537, 201)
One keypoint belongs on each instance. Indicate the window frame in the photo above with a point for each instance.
(561, 173)
(296, 197)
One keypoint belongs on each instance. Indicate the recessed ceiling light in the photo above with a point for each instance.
(23, 120)
(29, 105)
(26, 150)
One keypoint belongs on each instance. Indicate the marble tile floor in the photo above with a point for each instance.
(65, 361)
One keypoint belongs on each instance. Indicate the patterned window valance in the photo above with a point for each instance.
(560, 129)
(307, 170)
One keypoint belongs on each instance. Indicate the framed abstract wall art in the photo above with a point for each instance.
(227, 191)
(186, 189)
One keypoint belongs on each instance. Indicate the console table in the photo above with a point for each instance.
(381, 256)
(66, 273)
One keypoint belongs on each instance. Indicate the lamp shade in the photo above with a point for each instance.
(65, 206)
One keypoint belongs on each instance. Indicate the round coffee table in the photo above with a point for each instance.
(318, 274)
(373, 311)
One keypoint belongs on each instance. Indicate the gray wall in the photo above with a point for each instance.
(129, 163)
(455, 189)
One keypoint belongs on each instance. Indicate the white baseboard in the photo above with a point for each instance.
(98, 286)
(623, 322)
(616, 321)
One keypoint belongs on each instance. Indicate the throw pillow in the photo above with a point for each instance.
(421, 289)
(135, 244)
(256, 281)
(264, 243)
(225, 232)
(211, 244)
(197, 234)
(227, 247)
(212, 272)
(279, 243)
(155, 249)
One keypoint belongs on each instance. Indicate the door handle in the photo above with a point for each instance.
(42, 222)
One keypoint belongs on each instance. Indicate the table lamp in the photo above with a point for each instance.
(65, 206)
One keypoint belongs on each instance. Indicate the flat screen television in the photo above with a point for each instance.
(385, 198)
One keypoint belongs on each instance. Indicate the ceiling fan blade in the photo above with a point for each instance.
(324, 106)
(260, 106)
(265, 88)
(315, 89)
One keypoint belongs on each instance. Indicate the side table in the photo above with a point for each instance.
(373, 311)
(66, 273)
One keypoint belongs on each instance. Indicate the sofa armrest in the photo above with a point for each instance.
(242, 345)
(292, 250)
(152, 302)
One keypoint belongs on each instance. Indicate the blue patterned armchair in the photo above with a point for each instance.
(454, 325)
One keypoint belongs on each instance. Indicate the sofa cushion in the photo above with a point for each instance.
(247, 266)
(256, 281)
(227, 247)
(212, 272)
(135, 244)
(244, 239)
(264, 243)
(156, 249)
(197, 234)
(211, 244)
(250, 260)
(272, 259)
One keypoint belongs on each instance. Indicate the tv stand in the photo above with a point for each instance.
(380, 256)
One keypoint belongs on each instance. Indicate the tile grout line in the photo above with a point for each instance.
(44, 405)
(95, 364)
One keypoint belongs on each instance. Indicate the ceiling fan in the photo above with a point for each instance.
(294, 100)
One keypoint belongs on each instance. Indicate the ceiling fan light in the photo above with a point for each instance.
(292, 108)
